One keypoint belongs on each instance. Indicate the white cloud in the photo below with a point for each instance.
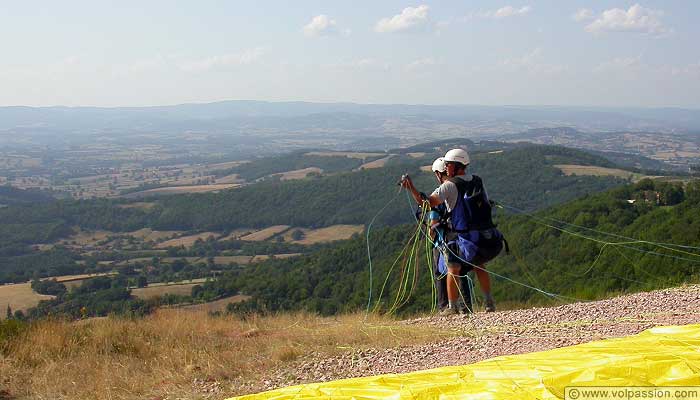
(249, 56)
(619, 64)
(143, 65)
(583, 14)
(441, 25)
(504, 12)
(410, 19)
(532, 62)
(635, 67)
(361, 64)
(323, 25)
(636, 19)
(692, 70)
(422, 63)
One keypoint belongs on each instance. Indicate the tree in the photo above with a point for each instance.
(9, 312)
(298, 235)
(142, 281)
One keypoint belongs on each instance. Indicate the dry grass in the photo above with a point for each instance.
(170, 260)
(225, 165)
(19, 296)
(187, 241)
(264, 257)
(80, 277)
(85, 238)
(569, 169)
(150, 292)
(237, 233)
(165, 355)
(298, 173)
(216, 305)
(376, 163)
(149, 235)
(265, 234)
(233, 178)
(416, 155)
(327, 234)
(347, 154)
(183, 189)
(225, 260)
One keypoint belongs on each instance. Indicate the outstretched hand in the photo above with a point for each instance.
(405, 181)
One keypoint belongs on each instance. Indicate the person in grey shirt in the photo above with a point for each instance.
(473, 239)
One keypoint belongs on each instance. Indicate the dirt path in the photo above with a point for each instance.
(482, 336)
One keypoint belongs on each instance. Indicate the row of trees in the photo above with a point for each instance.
(98, 296)
(548, 251)
(337, 279)
(262, 167)
(523, 176)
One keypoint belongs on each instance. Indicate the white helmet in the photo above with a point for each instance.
(457, 155)
(439, 165)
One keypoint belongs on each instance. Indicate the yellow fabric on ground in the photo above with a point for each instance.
(662, 356)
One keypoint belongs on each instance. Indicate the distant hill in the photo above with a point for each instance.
(630, 149)
(239, 113)
(522, 175)
(566, 264)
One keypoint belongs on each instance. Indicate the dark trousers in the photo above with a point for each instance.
(441, 284)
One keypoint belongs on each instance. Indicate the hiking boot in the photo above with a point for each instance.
(490, 304)
(465, 310)
(448, 311)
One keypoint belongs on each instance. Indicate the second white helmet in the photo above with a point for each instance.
(439, 165)
(457, 155)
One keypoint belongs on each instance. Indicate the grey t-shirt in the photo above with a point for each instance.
(447, 192)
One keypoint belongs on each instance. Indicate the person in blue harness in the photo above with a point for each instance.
(473, 238)
(437, 222)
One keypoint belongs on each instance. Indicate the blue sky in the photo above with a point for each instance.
(129, 53)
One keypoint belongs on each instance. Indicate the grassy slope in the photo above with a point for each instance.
(165, 355)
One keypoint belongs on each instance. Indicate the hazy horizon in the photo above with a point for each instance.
(525, 53)
(340, 102)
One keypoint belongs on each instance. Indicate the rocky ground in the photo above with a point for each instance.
(485, 335)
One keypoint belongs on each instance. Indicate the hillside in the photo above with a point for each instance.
(524, 175)
(183, 355)
(603, 243)
(580, 261)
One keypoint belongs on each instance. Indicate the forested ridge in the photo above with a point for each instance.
(335, 278)
(523, 175)
(563, 264)
(267, 166)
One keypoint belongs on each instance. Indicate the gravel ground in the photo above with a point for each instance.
(486, 335)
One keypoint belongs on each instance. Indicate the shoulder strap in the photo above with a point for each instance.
(460, 183)
(468, 187)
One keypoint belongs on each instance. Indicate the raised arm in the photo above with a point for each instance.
(419, 197)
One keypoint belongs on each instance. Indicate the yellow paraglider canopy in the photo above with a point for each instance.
(662, 356)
